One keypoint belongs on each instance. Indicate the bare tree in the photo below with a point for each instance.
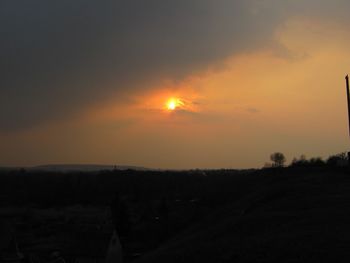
(278, 159)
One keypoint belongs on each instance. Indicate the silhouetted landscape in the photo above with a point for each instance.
(174, 131)
(291, 214)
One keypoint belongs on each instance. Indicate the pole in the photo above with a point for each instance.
(348, 96)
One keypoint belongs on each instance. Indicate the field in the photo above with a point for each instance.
(270, 215)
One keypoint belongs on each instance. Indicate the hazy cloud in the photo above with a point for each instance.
(59, 56)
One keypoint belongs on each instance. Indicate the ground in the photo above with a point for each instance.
(271, 215)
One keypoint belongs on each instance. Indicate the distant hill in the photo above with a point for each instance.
(86, 167)
(76, 168)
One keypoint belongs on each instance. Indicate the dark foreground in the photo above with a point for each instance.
(274, 215)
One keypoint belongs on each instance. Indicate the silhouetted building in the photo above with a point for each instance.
(120, 216)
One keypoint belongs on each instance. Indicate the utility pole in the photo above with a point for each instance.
(348, 96)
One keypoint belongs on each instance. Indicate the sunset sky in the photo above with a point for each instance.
(172, 84)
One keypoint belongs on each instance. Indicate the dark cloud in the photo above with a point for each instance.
(57, 57)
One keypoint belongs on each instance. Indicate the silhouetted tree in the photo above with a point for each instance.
(316, 161)
(278, 159)
(338, 159)
(302, 161)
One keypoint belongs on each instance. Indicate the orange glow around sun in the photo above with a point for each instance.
(165, 101)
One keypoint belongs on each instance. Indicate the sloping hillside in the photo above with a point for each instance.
(288, 218)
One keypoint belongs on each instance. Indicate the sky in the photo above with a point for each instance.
(90, 82)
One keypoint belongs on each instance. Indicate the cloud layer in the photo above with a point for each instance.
(59, 57)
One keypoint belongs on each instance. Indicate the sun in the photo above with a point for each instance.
(172, 104)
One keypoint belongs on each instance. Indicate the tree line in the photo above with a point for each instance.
(278, 159)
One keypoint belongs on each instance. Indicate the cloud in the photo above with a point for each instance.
(59, 57)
